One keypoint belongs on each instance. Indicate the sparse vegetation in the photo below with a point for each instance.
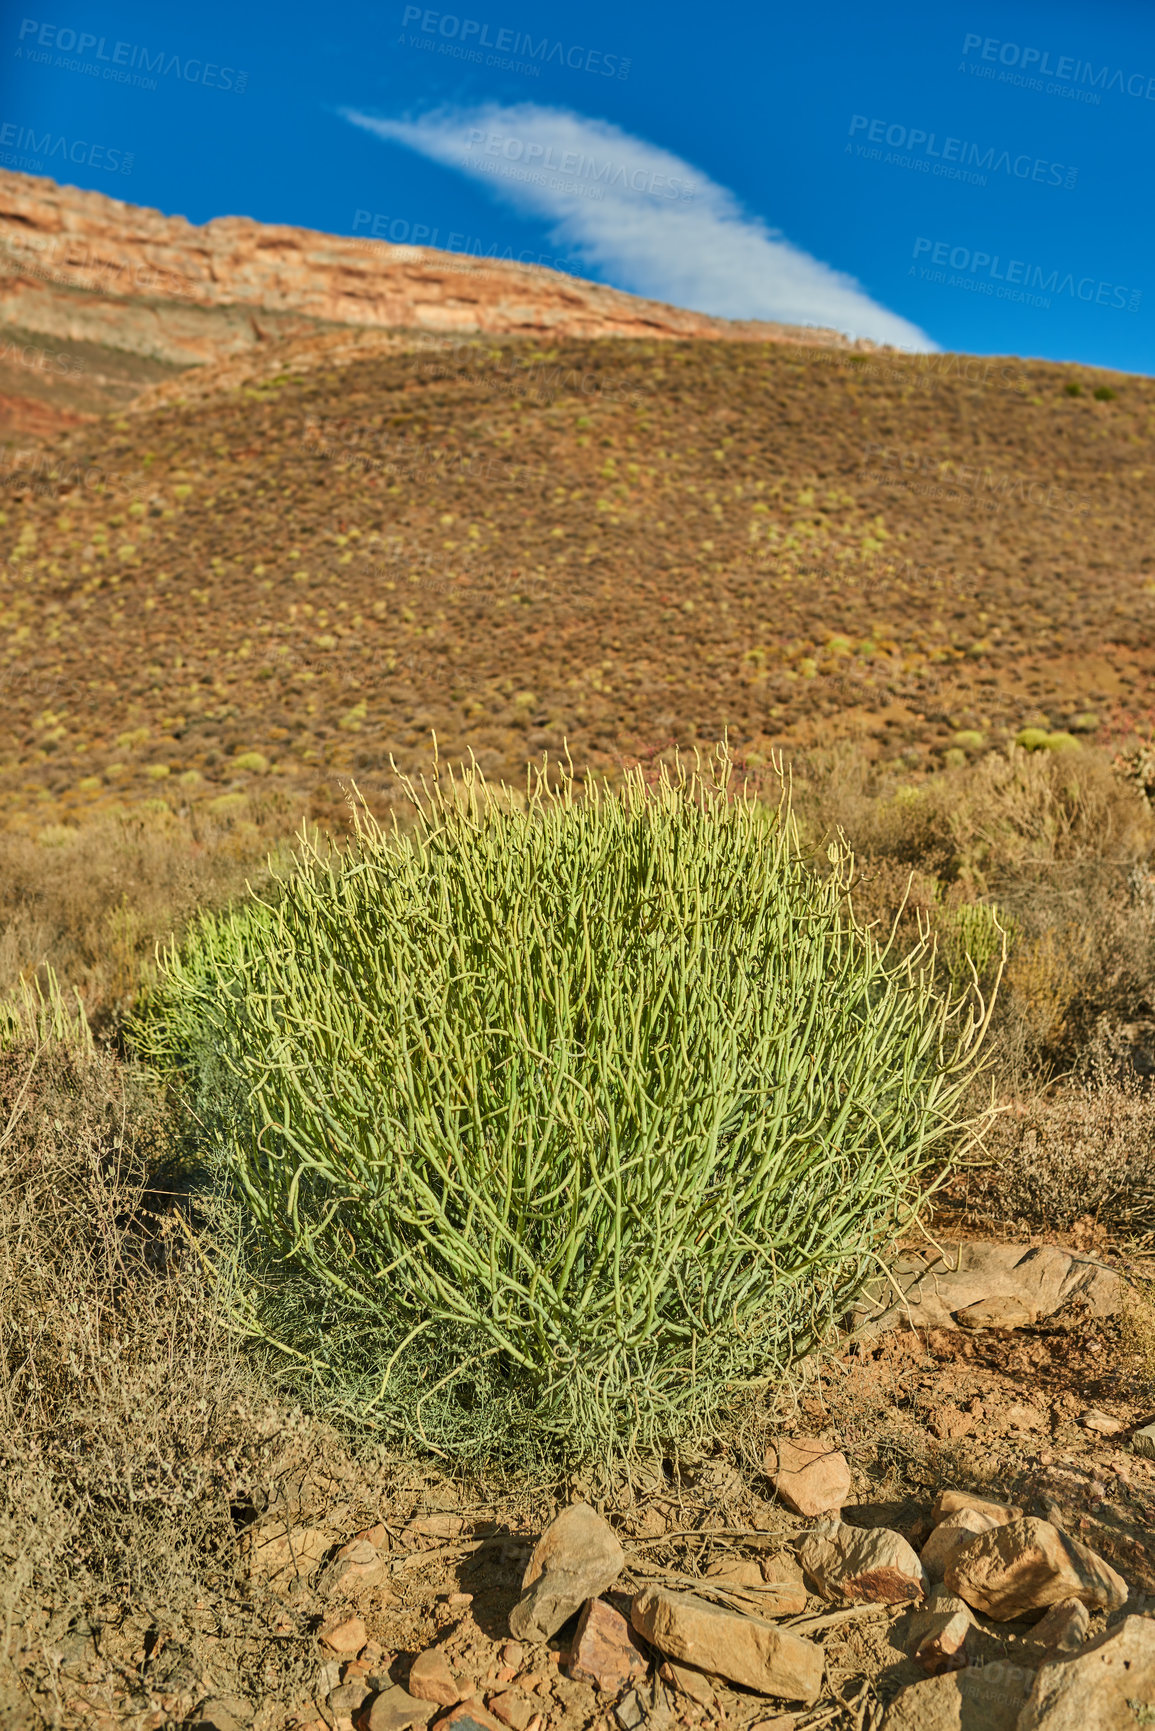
(205, 651)
(727, 555)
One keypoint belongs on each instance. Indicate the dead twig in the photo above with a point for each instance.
(461, 1546)
(807, 1625)
(739, 1598)
(758, 1540)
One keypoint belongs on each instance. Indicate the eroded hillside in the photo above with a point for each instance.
(606, 544)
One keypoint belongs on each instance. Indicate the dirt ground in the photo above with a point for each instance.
(999, 1411)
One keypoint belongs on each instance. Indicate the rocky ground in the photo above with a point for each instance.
(950, 1526)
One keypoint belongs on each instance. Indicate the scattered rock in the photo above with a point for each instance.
(1021, 1416)
(1110, 1683)
(605, 1650)
(949, 1422)
(469, 1716)
(281, 1554)
(1020, 1570)
(430, 1679)
(945, 1646)
(746, 1650)
(940, 1635)
(1143, 1442)
(512, 1709)
(630, 1711)
(787, 1600)
(953, 1502)
(735, 1572)
(358, 1564)
(684, 1680)
(981, 1698)
(224, 1713)
(809, 1476)
(395, 1709)
(1064, 1628)
(857, 1564)
(577, 1558)
(950, 1536)
(441, 1527)
(347, 1636)
(513, 1655)
(784, 1567)
(328, 1678)
(782, 1572)
(982, 1285)
(1101, 1422)
(348, 1698)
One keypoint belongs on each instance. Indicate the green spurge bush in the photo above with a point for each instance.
(557, 1122)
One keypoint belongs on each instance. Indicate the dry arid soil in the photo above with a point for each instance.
(233, 591)
(608, 546)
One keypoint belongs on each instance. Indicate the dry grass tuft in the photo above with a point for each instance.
(131, 1425)
(1078, 1160)
(91, 903)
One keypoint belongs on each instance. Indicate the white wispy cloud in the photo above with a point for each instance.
(642, 217)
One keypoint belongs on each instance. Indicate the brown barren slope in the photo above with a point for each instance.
(610, 544)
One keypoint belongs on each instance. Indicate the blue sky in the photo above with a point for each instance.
(965, 177)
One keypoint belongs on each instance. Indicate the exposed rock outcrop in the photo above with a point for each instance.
(82, 267)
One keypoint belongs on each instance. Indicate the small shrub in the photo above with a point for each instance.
(1081, 1154)
(973, 935)
(1104, 394)
(1137, 767)
(1043, 979)
(131, 1425)
(1073, 388)
(561, 1119)
(1038, 739)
